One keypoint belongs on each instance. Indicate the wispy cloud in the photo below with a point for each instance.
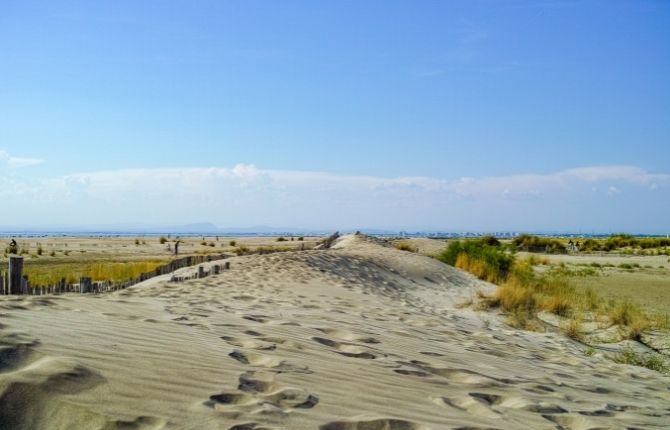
(247, 195)
(16, 162)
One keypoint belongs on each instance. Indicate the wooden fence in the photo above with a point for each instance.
(14, 282)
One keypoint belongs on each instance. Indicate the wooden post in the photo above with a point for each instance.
(227, 265)
(201, 272)
(15, 274)
(216, 269)
(84, 285)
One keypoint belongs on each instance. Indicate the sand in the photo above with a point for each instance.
(359, 337)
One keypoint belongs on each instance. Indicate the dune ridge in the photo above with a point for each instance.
(357, 337)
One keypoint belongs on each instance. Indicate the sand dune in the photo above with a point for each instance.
(358, 337)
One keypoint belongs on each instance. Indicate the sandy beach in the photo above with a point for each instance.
(361, 336)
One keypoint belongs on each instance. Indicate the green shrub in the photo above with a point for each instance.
(484, 261)
(650, 361)
(530, 243)
(490, 240)
(404, 246)
(232, 243)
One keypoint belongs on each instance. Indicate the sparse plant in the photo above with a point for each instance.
(241, 250)
(162, 240)
(572, 328)
(404, 246)
(281, 239)
(232, 243)
(650, 361)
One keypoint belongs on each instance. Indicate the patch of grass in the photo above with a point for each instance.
(242, 250)
(404, 246)
(534, 260)
(487, 262)
(650, 361)
(531, 243)
(281, 239)
(100, 271)
(572, 328)
(232, 243)
(522, 292)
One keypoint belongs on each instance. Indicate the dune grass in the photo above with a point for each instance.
(522, 292)
(650, 361)
(48, 274)
(404, 246)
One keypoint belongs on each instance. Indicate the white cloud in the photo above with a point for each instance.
(612, 191)
(16, 162)
(245, 195)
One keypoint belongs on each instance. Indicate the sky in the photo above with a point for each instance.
(470, 115)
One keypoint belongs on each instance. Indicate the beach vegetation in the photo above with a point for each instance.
(404, 246)
(650, 361)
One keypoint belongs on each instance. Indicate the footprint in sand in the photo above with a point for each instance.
(346, 349)
(469, 404)
(266, 361)
(259, 393)
(468, 377)
(376, 424)
(252, 426)
(250, 343)
(347, 335)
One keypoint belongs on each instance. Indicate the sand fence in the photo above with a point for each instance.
(16, 283)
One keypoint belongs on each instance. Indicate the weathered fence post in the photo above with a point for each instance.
(201, 272)
(216, 269)
(227, 265)
(84, 285)
(15, 274)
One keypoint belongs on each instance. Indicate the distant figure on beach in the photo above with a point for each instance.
(13, 247)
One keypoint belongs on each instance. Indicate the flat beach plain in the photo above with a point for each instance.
(359, 337)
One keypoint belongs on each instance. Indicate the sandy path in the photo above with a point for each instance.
(361, 337)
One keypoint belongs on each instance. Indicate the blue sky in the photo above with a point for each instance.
(475, 115)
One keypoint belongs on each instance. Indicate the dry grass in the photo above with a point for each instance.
(404, 246)
(101, 271)
(572, 327)
(522, 293)
(477, 267)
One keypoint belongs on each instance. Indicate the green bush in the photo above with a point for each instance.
(484, 261)
(530, 243)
